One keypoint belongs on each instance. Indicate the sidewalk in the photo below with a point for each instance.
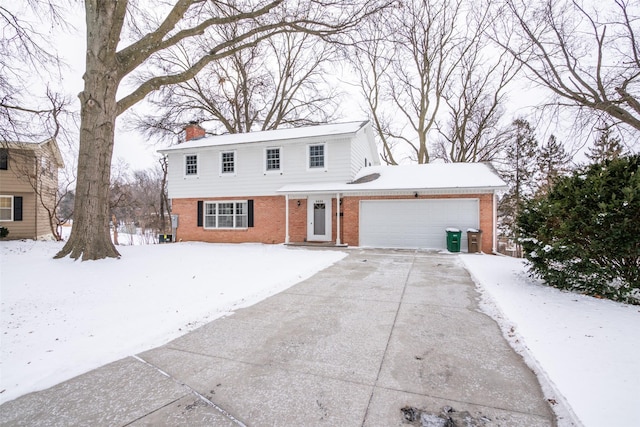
(378, 332)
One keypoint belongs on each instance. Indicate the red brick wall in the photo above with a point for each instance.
(269, 221)
(297, 220)
(351, 208)
(193, 131)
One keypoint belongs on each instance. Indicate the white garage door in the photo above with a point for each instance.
(416, 223)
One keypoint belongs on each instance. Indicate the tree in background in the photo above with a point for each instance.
(553, 162)
(475, 101)
(407, 66)
(29, 113)
(584, 234)
(586, 54)
(138, 200)
(124, 39)
(606, 146)
(519, 172)
(281, 82)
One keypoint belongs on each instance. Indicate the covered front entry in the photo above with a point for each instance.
(415, 223)
(319, 219)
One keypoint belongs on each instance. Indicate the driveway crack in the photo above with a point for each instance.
(194, 392)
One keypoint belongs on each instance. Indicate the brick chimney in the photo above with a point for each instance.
(193, 131)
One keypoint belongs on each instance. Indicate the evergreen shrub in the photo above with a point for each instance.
(584, 235)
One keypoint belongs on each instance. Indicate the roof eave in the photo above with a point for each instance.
(423, 190)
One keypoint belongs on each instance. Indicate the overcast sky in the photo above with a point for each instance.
(140, 153)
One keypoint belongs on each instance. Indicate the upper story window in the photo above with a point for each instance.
(272, 157)
(191, 165)
(316, 156)
(4, 159)
(228, 162)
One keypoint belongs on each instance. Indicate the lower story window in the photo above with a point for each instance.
(225, 214)
(6, 208)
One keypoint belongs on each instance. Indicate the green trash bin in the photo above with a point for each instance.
(454, 236)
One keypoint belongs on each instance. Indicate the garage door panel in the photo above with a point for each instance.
(415, 223)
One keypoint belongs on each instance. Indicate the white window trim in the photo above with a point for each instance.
(11, 208)
(217, 202)
(184, 165)
(264, 161)
(235, 163)
(308, 159)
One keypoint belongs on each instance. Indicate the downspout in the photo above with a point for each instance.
(286, 219)
(337, 218)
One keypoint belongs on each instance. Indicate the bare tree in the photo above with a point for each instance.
(280, 82)
(408, 64)
(110, 60)
(473, 132)
(28, 113)
(588, 56)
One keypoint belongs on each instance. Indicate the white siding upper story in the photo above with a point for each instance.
(236, 165)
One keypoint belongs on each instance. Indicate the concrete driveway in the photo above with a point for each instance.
(382, 338)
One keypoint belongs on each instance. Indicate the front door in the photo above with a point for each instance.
(319, 219)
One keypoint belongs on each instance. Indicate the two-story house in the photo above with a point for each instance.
(28, 186)
(321, 184)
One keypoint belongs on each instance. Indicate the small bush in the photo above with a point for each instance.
(4, 232)
(584, 235)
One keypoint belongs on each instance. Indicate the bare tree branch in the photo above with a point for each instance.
(588, 61)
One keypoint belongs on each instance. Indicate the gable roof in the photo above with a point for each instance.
(431, 176)
(277, 135)
(49, 145)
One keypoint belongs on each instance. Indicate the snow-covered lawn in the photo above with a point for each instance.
(587, 349)
(60, 318)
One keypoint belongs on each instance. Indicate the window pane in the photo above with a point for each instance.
(4, 158)
(241, 221)
(225, 208)
(210, 215)
(225, 215)
(191, 165)
(225, 221)
(273, 159)
(316, 156)
(5, 208)
(241, 215)
(228, 163)
(210, 221)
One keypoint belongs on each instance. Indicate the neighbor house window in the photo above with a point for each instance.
(228, 162)
(225, 214)
(316, 156)
(4, 159)
(272, 156)
(191, 164)
(6, 208)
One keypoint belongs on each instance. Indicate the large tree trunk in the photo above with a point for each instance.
(90, 237)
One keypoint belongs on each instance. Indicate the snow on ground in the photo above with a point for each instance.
(60, 318)
(587, 349)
